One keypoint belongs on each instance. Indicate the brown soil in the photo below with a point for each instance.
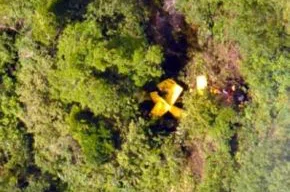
(196, 161)
(223, 60)
(221, 63)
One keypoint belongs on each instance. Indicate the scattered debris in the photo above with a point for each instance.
(221, 61)
(201, 83)
(232, 94)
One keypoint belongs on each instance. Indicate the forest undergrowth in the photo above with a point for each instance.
(75, 78)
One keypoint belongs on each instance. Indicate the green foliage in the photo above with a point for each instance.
(261, 167)
(72, 76)
(44, 22)
(8, 102)
(80, 69)
(13, 156)
(90, 49)
(16, 156)
(268, 77)
(13, 11)
(146, 168)
(31, 15)
(219, 172)
(125, 48)
(204, 116)
(286, 17)
(211, 17)
(72, 85)
(264, 169)
(93, 135)
(209, 124)
(258, 26)
(200, 12)
(13, 145)
(119, 17)
(7, 52)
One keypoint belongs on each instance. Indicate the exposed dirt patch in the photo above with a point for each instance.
(195, 159)
(196, 163)
(221, 63)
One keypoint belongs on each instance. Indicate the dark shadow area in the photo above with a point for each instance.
(32, 170)
(56, 184)
(122, 83)
(168, 29)
(164, 126)
(234, 144)
(234, 140)
(69, 10)
(145, 108)
(89, 117)
(110, 24)
(10, 67)
(160, 129)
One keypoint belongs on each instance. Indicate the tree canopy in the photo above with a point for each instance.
(75, 83)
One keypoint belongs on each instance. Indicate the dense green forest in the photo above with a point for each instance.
(75, 78)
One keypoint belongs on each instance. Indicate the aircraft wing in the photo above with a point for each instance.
(160, 108)
(166, 85)
(155, 97)
(176, 112)
(172, 89)
(173, 94)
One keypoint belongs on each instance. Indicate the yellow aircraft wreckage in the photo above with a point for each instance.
(163, 105)
(201, 84)
(172, 91)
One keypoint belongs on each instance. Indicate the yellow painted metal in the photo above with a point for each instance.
(160, 108)
(176, 111)
(155, 97)
(173, 91)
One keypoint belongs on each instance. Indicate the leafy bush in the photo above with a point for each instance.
(72, 76)
(93, 135)
(7, 51)
(44, 23)
(90, 50)
(143, 167)
(210, 126)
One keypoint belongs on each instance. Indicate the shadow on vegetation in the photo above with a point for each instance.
(234, 144)
(110, 23)
(11, 66)
(167, 29)
(162, 126)
(69, 10)
(111, 76)
(90, 118)
(32, 170)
